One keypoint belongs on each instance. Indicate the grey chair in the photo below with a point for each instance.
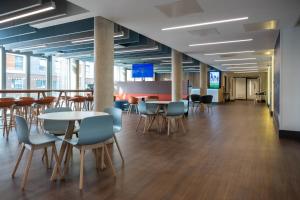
(92, 135)
(32, 143)
(116, 113)
(149, 112)
(175, 111)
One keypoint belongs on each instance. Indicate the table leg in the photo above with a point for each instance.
(68, 135)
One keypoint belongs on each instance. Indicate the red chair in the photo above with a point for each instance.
(7, 104)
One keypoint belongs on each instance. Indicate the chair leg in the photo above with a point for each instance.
(67, 161)
(145, 124)
(18, 161)
(56, 158)
(109, 161)
(27, 169)
(182, 126)
(81, 168)
(169, 124)
(138, 124)
(119, 149)
(46, 158)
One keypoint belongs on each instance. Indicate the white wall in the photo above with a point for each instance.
(289, 118)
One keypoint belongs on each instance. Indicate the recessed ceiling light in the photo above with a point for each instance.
(222, 42)
(225, 53)
(42, 9)
(205, 23)
(235, 59)
(239, 64)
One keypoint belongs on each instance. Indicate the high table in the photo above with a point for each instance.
(71, 117)
(39, 92)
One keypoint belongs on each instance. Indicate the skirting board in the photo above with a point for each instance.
(289, 134)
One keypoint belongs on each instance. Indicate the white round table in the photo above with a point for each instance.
(70, 116)
(159, 102)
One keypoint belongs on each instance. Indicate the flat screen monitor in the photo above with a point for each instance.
(214, 80)
(144, 70)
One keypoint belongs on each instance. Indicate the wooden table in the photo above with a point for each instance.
(71, 117)
(38, 91)
(65, 92)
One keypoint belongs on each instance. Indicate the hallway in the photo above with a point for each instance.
(231, 153)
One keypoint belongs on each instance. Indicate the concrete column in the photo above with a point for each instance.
(176, 75)
(203, 82)
(104, 63)
(77, 71)
(3, 69)
(203, 79)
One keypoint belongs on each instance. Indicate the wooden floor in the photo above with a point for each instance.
(232, 153)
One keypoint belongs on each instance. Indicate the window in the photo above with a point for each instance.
(60, 73)
(89, 73)
(15, 71)
(119, 74)
(38, 73)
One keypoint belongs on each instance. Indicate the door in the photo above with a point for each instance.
(252, 88)
(240, 88)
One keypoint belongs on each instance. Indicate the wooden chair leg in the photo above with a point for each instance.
(46, 158)
(169, 124)
(81, 169)
(67, 161)
(18, 160)
(27, 169)
(109, 161)
(140, 119)
(102, 159)
(119, 149)
(56, 158)
(182, 126)
(145, 125)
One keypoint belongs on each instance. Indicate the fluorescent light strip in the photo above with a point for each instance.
(35, 12)
(137, 50)
(237, 64)
(205, 23)
(156, 58)
(223, 42)
(246, 72)
(235, 59)
(82, 40)
(33, 47)
(184, 62)
(226, 53)
(243, 67)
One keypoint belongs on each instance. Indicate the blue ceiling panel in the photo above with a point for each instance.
(16, 31)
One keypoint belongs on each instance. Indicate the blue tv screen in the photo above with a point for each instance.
(144, 70)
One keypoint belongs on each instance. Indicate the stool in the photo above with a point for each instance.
(89, 102)
(7, 104)
(133, 102)
(41, 104)
(23, 107)
(77, 102)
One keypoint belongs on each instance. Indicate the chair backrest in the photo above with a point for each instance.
(117, 115)
(186, 105)
(96, 129)
(133, 100)
(175, 109)
(195, 97)
(142, 107)
(206, 99)
(22, 130)
(53, 125)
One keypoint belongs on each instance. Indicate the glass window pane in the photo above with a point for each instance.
(15, 72)
(38, 73)
(89, 74)
(60, 73)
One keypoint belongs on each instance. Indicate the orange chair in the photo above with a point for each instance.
(41, 105)
(152, 98)
(7, 104)
(133, 102)
(89, 102)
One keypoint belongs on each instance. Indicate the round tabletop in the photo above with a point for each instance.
(159, 102)
(70, 116)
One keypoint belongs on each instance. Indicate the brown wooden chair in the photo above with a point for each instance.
(77, 102)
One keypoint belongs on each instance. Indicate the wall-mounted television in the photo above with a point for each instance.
(214, 79)
(143, 70)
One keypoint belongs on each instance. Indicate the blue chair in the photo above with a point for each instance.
(32, 143)
(116, 113)
(92, 135)
(175, 111)
(149, 112)
(186, 105)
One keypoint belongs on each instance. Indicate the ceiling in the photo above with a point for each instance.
(149, 17)
(140, 23)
